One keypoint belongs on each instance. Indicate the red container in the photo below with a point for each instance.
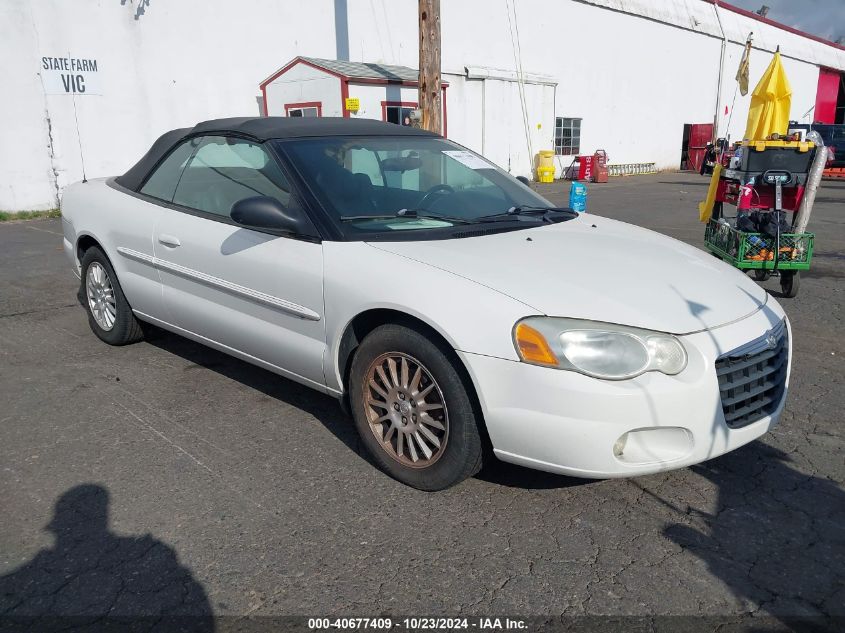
(600, 172)
(585, 168)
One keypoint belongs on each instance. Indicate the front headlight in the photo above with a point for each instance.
(601, 350)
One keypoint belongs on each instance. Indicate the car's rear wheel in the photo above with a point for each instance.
(412, 409)
(109, 314)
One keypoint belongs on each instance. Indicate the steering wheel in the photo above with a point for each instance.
(436, 189)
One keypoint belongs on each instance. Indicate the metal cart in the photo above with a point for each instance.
(764, 178)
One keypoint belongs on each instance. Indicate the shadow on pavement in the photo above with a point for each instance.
(326, 409)
(323, 407)
(776, 539)
(91, 573)
(502, 473)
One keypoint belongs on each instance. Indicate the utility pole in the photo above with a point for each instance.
(430, 93)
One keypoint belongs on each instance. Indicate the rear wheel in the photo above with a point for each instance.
(412, 409)
(109, 314)
(789, 283)
(761, 274)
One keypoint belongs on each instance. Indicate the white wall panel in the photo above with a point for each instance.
(634, 70)
(304, 84)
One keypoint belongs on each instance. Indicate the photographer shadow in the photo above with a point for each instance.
(93, 578)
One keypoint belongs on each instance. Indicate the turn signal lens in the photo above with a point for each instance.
(533, 347)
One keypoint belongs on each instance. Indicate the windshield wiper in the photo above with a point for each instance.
(540, 214)
(407, 213)
(543, 214)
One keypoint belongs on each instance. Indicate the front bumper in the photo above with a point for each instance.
(565, 422)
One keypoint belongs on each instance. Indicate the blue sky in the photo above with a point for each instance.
(825, 18)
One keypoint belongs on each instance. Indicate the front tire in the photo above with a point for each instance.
(412, 409)
(109, 314)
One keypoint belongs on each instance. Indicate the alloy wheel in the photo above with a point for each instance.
(100, 295)
(405, 409)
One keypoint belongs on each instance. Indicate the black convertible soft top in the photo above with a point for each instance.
(262, 129)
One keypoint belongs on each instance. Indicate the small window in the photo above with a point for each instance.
(226, 170)
(301, 112)
(398, 113)
(567, 136)
(162, 183)
(310, 109)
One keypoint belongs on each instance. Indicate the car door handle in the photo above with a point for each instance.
(169, 240)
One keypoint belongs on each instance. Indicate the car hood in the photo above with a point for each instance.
(598, 269)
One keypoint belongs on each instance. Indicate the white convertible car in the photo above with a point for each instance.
(455, 310)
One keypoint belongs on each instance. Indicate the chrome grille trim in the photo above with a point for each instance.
(758, 344)
(752, 378)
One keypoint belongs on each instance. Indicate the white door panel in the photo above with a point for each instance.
(259, 294)
(504, 133)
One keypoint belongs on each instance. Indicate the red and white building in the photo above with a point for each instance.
(309, 86)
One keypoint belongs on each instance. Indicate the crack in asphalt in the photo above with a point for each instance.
(38, 310)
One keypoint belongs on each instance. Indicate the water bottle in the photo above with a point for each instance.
(578, 197)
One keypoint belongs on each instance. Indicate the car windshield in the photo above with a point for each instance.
(410, 183)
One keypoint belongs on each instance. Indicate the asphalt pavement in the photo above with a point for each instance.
(164, 476)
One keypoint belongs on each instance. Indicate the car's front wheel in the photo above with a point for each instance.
(412, 409)
(109, 314)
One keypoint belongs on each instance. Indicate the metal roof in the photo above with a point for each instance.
(352, 71)
(361, 70)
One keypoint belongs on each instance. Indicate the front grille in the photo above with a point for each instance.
(752, 378)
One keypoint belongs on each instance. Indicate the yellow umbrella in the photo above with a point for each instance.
(770, 103)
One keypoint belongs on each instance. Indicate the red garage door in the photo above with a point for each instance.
(696, 137)
(826, 95)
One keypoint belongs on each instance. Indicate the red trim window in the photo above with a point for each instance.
(398, 112)
(306, 108)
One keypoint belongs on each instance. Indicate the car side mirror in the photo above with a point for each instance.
(524, 180)
(268, 214)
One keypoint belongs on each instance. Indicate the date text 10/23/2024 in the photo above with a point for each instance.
(418, 624)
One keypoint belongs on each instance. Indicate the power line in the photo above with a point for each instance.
(520, 79)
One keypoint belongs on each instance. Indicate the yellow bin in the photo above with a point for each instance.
(546, 174)
(546, 165)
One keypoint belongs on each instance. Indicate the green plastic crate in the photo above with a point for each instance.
(744, 251)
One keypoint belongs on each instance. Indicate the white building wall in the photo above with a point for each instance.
(27, 180)
(464, 121)
(505, 134)
(176, 64)
(634, 70)
(633, 81)
(304, 84)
